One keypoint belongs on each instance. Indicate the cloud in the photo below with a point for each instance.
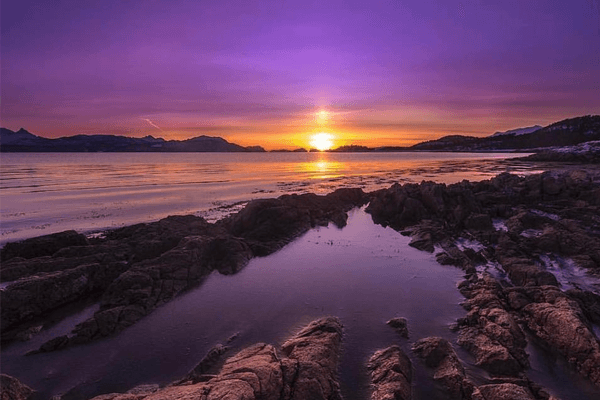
(153, 124)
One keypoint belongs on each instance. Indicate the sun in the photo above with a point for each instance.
(321, 141)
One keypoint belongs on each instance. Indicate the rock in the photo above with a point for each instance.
(12, 389)
(42, 246)
(255, 371)
(208, 362)
(400, 326)
(589, 303)
(33, 297)
(269, 224)
(552, 185)
(489, 354)
(144, 389)
(559, 325)
(316, 349)
(479, 222)
(432, 196)
(422, 240)
(489, 332)
(259, 373)
(448, 370)
(391, 374)
(505, 391)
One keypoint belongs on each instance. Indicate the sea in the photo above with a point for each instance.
(364, 274)
(42, 193)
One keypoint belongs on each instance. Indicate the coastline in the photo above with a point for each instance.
(528, 289)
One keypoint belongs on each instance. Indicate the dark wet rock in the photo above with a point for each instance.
(150, 283)
(437, 353)
(148, 241)
(18, 268)
(308, 371)
(32, 297)
(479, 222)
(55, 344)
(400, 326)
(425, 235)
(559, 324)
(589, 303)
(137, 268)
(452, 255)
(12, 389)
(391, 375)
(28, 333)
(42, 246)
(269, 224)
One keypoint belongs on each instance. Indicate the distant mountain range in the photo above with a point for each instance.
(23, 141)
(520, 131)
(568, 132)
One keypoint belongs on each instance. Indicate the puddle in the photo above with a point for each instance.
(569, 274)
(364, 274)
(463, 243)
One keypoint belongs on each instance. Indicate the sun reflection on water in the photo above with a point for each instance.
(322, 168)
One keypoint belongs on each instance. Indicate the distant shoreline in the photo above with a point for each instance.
(569, 132)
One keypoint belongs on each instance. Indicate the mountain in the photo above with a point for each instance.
(520, 131)
(568, 132)
(23, 141)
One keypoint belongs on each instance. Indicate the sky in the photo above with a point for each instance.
(277, 73)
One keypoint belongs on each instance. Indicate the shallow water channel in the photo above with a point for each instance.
(364, 274)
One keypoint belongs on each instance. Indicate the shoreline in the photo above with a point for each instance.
(435, 216)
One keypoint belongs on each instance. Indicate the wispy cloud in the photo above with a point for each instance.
(153, 124)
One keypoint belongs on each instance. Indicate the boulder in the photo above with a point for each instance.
(12, 389)
(400, 326)
(505, 391)
(437, 353)
(308, 371)
(391, 374)
(559, 325)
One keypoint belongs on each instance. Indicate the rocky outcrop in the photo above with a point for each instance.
(306, 369)
(560, 325)
(551, 216)
(399, 325)
(42, 246)
(583, 153)
(488, 331)
(391, 375)
(269, 224)
(438, 354)
(12, 389)
(133, 270)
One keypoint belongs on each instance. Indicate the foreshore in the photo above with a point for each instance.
(514, 237)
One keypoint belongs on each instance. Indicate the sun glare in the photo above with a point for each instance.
(321, 141)
(323, 115)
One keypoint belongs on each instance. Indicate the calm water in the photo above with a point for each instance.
(364, 274)
(46, 193)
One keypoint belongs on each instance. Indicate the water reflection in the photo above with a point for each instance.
(46, 193)
(323, 168)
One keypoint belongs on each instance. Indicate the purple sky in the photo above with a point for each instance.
(256, 72)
